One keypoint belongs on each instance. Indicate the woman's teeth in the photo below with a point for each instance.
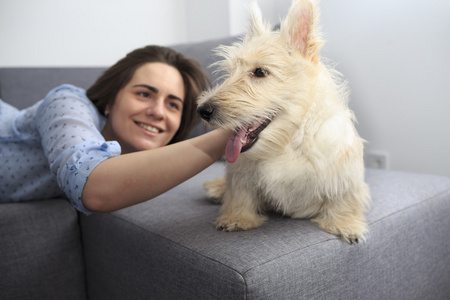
(149, 128)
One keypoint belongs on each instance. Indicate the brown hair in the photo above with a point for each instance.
(103, 92)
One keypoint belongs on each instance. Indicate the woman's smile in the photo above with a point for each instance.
(149, 128)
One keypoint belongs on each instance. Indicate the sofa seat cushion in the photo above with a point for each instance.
(168, 248)
(41, 255)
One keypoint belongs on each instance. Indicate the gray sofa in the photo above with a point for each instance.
(167, 248)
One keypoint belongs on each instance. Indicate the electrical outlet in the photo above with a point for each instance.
(376, 160)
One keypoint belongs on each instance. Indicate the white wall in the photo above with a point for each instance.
(99, 32)
(85, 32)
(394, 54)
(207, 19)
(273, 11)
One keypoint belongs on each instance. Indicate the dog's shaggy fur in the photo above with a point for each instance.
(295, 149)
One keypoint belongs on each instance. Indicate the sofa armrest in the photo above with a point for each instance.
(168, 248)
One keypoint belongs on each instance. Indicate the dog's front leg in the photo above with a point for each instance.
(343, 219)
(240, 210)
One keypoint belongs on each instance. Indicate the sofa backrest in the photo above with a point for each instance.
(22, 87)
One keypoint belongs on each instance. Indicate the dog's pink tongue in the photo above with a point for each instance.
(234, 146)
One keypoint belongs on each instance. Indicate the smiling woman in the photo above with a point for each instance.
(105, 90)
(73, 140)
(146, 112)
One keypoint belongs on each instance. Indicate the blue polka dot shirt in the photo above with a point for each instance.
(49, 149)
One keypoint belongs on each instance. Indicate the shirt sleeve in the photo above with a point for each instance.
(70, 130)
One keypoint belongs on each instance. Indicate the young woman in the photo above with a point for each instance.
(117, 144)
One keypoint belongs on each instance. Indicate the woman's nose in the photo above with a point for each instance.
(156, 109)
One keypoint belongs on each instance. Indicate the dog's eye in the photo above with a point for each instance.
(260, 72)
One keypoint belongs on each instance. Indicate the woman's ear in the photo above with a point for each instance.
(107, 110)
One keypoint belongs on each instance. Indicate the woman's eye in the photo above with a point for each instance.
(174, 105)
(144, 94)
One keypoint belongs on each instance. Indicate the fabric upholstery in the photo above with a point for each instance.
(22, 87)
(168, 248)
(40, 251)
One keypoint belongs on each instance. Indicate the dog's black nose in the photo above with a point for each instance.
(206, 111)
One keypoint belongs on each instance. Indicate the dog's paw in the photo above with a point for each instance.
(215, 189)
(351, 231)
(348, 236)
(239, 223)
(352, 239)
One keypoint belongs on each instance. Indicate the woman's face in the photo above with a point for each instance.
(147, 111)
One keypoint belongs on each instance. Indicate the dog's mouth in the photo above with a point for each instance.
(244, 138)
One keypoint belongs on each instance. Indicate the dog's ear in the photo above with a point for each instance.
(299, 29)
(256, 26)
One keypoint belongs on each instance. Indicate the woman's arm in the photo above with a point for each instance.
(133, 178)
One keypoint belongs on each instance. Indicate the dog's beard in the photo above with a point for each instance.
(244, 138)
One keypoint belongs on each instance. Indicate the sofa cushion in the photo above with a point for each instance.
(22, 87)
(40, 251)
(168, 248)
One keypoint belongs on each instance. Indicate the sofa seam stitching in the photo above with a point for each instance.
(241, 274)
(336, 238)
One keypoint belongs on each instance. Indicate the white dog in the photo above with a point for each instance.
(295, 149)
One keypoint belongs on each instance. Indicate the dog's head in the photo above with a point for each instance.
(268, 76)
